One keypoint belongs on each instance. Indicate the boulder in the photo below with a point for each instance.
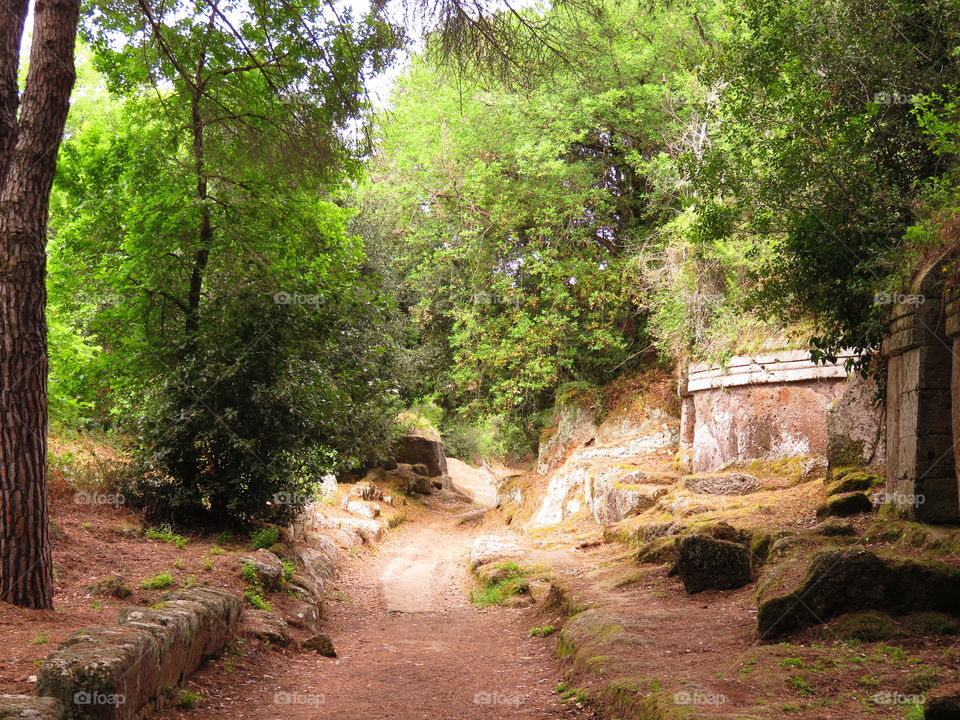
(722, 484)
(844, 581)
(266, 626)
(266, 565)
(308, 588)
(943, 703)
(855, 427)
(834, 527)
(852, 503)
(370, 531)
(304, 613)
(705, 562)
(26, 707)
(414, 450)
(856, 481)
(113, 586)
(362, 508)
(320, 644)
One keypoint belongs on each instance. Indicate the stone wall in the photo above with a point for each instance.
(921, 469)
(953, 332)
(764, 407)
(118, 672)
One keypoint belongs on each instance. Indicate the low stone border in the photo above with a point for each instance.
(116, 672)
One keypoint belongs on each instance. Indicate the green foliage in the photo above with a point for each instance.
(165, 533)
(508, 581)
(249, 573)
(517, 206)
(158, 582)
(254, 596)
(289, 570)
(205, 293)
(545, 631)
(816, 154)
(188, 699)
(264, 537)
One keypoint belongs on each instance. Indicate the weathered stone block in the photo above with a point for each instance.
(114, 672)
(27, 707)
(266, 565)
(705, 562)
(839, 582)
(414, 449)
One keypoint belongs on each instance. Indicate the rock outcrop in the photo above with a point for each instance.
(415, 450)
(843, 581)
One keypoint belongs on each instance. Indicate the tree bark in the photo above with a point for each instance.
(25, 182)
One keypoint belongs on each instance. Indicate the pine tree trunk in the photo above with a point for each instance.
(26, 177)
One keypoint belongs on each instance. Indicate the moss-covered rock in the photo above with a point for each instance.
(844, 581)
(845, 505)
(857, 481)
(943, 703)
(933, 623)
(662, 550)
(834, 527)
(320, 644)
(869, 626)
(705, 562)
(113, 586)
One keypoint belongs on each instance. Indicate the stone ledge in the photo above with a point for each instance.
(782, 367)
(114, 672)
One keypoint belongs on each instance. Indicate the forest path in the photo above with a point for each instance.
(410, 645)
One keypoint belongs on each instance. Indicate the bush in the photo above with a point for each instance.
(264, 538)
(158, 582)
(247, 414)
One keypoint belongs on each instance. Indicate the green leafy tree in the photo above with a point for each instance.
(232, 306)
(816, 153)
(519, 205)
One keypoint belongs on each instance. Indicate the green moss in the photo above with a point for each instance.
(933, 623)
(869, 626)
(659, 551)
(853, 482)
(158, 582)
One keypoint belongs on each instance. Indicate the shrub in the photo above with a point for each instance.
(189, 700)
(257, 404)
(264, 538)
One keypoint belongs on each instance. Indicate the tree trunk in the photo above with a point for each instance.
(25, 182)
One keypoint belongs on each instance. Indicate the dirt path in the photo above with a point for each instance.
(410, 647)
